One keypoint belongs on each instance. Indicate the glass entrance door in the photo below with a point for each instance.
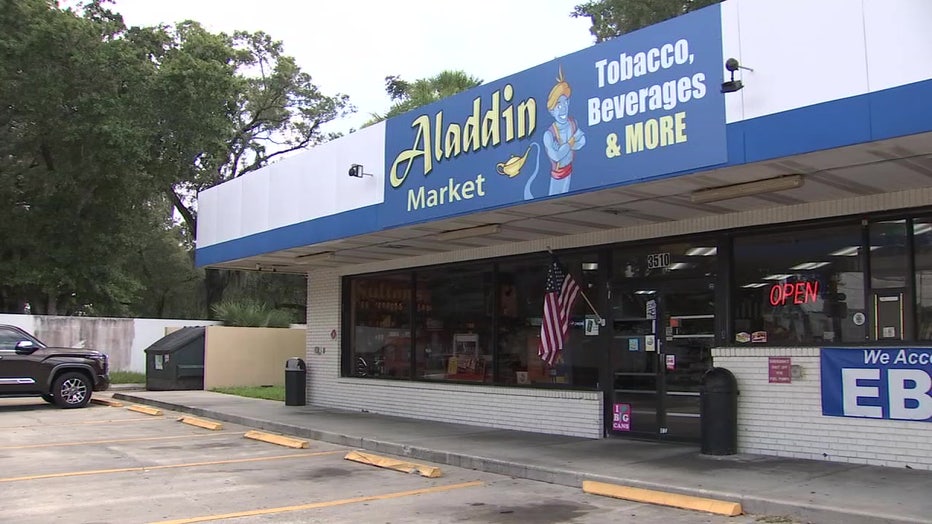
(661, 347)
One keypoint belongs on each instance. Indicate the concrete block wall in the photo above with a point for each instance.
(124, 339)
(786, 419)
(575, 413)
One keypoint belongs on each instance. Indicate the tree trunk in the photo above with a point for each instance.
(215, 282)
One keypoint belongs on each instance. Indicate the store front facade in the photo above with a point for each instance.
(667, 305)
(779, 231)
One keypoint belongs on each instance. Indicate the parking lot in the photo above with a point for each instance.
(109, 464)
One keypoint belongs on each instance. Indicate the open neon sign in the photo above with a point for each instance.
(795, 293)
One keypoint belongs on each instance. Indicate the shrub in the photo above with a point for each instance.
(251, 313)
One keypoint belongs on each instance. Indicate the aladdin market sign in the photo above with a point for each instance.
(637, 107)
(877, 383)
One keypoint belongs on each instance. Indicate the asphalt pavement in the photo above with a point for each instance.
(805, 490)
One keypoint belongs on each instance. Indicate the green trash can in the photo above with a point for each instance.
(176, 361)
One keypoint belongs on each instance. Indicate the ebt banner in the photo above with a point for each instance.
(891, 384)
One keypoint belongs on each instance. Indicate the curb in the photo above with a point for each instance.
(751, 504)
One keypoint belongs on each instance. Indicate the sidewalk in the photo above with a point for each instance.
(806, 490)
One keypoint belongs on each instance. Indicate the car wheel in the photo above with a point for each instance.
(72, 390)
(48, 398)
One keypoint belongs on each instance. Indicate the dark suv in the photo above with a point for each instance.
(62, 376)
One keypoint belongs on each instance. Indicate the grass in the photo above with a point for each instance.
(266, 392)
(127, 377)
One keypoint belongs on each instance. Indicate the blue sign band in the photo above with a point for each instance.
(641, 106)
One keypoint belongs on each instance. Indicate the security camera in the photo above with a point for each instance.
(732, 65)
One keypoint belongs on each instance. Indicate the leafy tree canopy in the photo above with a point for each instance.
(104, 129)
(611, 18)
(407, 96)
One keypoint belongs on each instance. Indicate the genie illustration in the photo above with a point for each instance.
(561, 140)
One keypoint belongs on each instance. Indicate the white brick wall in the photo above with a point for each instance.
(786, 419)
(576, 413)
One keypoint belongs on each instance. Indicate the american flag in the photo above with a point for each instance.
(559, 297)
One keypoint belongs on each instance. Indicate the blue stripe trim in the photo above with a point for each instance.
(899, 111)
(333, 227)
(865, 118)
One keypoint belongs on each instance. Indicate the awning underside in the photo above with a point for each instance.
(867, 169)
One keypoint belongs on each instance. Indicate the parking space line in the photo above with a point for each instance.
(113, 441)
(166, 466)
(83, 423)
(327, 504)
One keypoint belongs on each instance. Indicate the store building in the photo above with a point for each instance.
(781, 229)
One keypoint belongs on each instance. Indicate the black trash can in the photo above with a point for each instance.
(295, 382)
(718, 409)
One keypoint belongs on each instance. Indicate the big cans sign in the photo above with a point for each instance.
(877, 383)
(641, 106)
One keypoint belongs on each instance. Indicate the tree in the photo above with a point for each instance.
(71, 157)
(407, 96)
(611, 18)
(105, 129)
(161, 261)
(223, 106)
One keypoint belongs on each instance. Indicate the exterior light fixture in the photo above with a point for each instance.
(469, 232)
(731, 86)
(357, 171)
(316, 257)
(767, 185)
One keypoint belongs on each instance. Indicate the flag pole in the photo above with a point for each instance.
(586, 298)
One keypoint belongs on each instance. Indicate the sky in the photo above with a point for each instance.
(350, 46)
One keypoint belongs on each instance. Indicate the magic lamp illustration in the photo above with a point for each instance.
(512, 167)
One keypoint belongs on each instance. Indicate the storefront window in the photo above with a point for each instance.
(889, 255)
(454, 323)
(381, 318)
(799, 288)
(521, 291)
(677, 260)
(582, 355)
(922, 240)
